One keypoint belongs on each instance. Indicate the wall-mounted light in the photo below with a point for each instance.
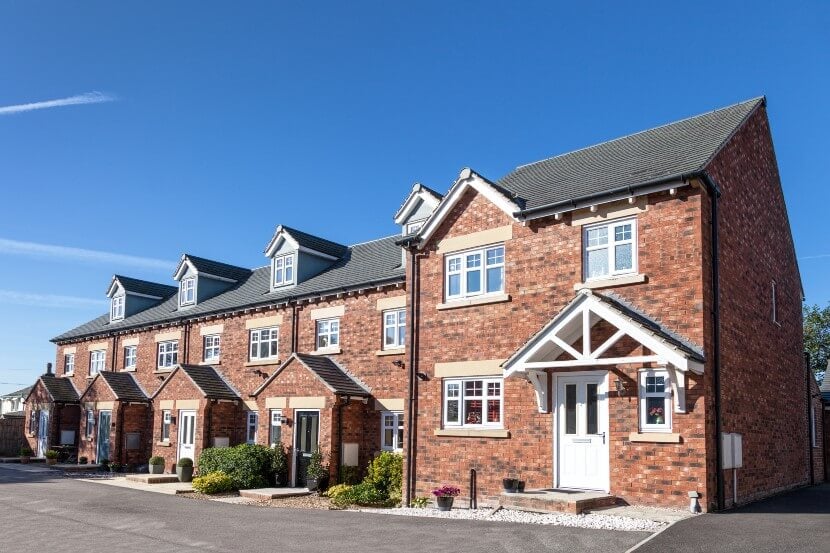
(283, 420)
(398, 363)
(620, 386)
(422, 377)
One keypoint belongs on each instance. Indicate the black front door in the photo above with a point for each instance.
(306, 433)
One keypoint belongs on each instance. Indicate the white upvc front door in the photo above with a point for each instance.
(582, 430)
(43, 433)
(187, 434)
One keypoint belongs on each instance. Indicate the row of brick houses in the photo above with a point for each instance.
(592, 321)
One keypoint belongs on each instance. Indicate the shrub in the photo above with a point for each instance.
(349, 475)
(386, 474)
(215, 482)
(104, 462)
(420, 502)
(280, 462)
(51, 454)
(336, 492)
(26, 451)
(114, 467)
(185, 462)
(316, 468)
(156, 460)
(249, 466)
(82, 460)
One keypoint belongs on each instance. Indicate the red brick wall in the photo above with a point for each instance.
(179, 388)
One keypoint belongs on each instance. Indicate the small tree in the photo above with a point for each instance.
(817, 336)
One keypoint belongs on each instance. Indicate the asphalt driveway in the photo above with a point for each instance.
(798, 521)
(40, 511)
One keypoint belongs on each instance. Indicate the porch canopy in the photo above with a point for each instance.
(566, 343)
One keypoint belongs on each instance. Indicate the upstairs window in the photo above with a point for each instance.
(328, 333)
(130, 357)
(475, 273)
(168, 354)
(69, 364)
(264, 343)
(394, 329)
(283, 270)
(97, 359)
(117, 308)
(473, 402)
(655, 401)
(253, 421)
(212, 347)
(187, 291)
(610, 249)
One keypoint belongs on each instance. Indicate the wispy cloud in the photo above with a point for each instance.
(50, 251)
(49, 300)
(819, 256)
(78, 99)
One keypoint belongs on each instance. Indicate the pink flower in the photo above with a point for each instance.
(446, 490)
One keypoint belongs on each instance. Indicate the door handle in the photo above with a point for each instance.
(603, 438)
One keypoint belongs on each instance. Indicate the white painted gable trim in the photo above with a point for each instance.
(283, 235)
(467, 179)
(184, 265)
(418, 193)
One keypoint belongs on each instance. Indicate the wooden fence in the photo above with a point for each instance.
(11, 435)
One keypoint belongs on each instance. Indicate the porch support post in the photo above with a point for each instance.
(539, 379)
(678, 388)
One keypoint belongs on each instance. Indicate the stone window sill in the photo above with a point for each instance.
(68, 374)
(327, 351)
(132, 370)
(481, 300)
(162, 371)
(654, 437)
(611, 281)
(472, 432)
(211, 363)
(396, 351)
(163, 444)
(259, 362)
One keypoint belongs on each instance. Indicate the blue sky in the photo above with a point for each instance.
(205, 125)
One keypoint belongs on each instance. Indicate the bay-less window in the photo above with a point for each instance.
(130, 357)
(473, 402)
(391, 437)
(166, 420)
(394, 328)
(610, 249)
(90, 423)
(655, 401)
(253, 421)
(97, 359)
(283, 269)
(474, 273)
(187, 291)
(168, 354)
(69, 363)
(264, 343)
(212, 347)
(328, 333)
(117, 308)
(275, 433)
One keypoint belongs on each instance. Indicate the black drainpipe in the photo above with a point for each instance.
(344, 401)
(413, 360)
(294, 338)
(114, 360)
(186, 342)
(809, 375)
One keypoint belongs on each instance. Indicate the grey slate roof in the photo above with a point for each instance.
(124, 386)
(23, 392)
(672, 150)
(61, 389)
(330, 372)
(146, 287)
(210, 382)
(217, 268)
(316, 243)
(369, 263)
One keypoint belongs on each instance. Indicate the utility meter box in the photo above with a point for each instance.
(732, 450)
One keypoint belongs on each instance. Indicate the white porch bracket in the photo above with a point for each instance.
(539, 379)
(678, 388)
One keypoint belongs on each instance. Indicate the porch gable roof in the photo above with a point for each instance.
(61, 390)
(206, 379)
(123, 386)
(331, 374)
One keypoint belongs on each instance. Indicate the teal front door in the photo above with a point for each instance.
(104, 420)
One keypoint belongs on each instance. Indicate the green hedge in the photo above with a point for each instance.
(248, 466)
(215, 482)
(382, 485)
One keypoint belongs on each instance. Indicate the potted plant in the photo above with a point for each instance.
(445, 495)
(82, 460)
(51, 457)
(317, 473)
(509, 485)
(184, 469)
(156, 465)
(114, 467)
(657, 414)
(25, 454)
(520, 486)
(104, 464)
(280, 465)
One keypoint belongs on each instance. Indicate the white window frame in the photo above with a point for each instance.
(460, 400)
(89, 431)
(211, 347)
(462, 269)
(68, 364)
(610, 246)
(397, 428)
(130, 357)
(276, 420)
(282, 265)
(97, 361)
(168, 354)
(396, 320)
(187, 291)
(255, 340)
(166, 422)
(117, 308)
(329, 328)
(251, 425)
(666, 395)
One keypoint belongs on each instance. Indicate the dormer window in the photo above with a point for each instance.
(284, 270)
(187, 291)
(415, 226)
(117, 308)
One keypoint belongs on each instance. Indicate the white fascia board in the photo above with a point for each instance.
(136, 294)
(418, 193)
(276, 242)
(184, 264)
(114, 285)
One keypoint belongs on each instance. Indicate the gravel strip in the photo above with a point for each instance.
(595, 521)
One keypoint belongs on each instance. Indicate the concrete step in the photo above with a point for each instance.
(273, 493)
(73, 467)
(556, 501)
(153, 478)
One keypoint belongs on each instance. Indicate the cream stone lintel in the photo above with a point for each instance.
(130, 341)
(250, 405)
(168, 336)
(395, 302)
(611, 281)
(67, 351)
(264, 322)
(187, 404)
(654, 437)
(261, 362)
(211, 329)
(89, 405)
(275, 402)
(168, 404)
(97, 346)
(307, 402)
(475, 239)
(472, 433)
(608, 211)
(104, 405)
(481, 300)
(487, 367)
(327, 312)
(392, 404)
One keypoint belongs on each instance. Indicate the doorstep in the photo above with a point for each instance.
(556, 501)
(153, 478)
(273, 493)
(73, 467)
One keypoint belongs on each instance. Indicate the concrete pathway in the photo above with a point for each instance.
(168, 488)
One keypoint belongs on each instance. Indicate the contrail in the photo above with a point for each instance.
(78, 99)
